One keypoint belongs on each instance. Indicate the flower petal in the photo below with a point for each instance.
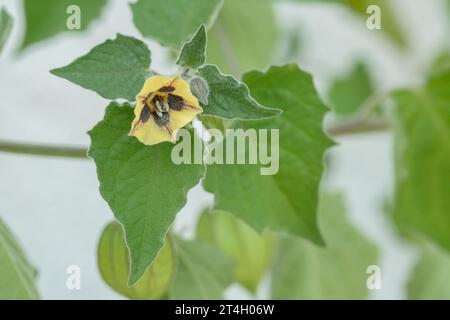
(154, 83)
(183, 90)
(179, 119)
(150, 133)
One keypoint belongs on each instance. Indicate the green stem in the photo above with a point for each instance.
(351, 127)
(358, 126)
(43, 150)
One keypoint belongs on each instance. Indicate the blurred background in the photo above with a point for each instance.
(53, 205)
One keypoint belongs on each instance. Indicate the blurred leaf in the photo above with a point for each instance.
(17, 276)
(448, 10)
(141, 184)
(114, 265)
(46, 18)
(389, 20)
(313, 1)
(291, 45)
(441, 63)
(431, 276)
(6, 23)
(201, 271)
(114, 69)
(287, 200)
(303, 270)
(422, 159)
(193, 52)
(235, 238)
(348, 94)
(230, 99)
(172, 22)
(243, 37)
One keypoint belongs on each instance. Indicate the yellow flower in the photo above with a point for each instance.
(164, 105)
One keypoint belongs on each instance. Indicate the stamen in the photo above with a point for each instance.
(165, 106)
(158, 105)
(161, 118)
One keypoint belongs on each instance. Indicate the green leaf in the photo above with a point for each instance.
(390, 25)
(422, 159)
(291, 45)
(114, 265)
(313, 1)
(251, 250)
(243, 37)
(192, 54)
(172, 22)
(141, 184)
(46, 18)
(441, 63)
(6, 23)
(431, 276)
(230, 99)
(448, 8)
(389, 20)
(201, 271)
(17, 276)
(303, 270)
(114, 69)
(287, 200)
(348, 94)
